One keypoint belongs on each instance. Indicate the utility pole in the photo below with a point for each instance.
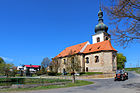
(137, 64)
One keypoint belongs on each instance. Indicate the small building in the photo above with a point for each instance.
(20, 68)
(28, 69)
(32, 68)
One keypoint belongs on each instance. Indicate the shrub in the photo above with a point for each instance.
(81, 73)
(52, 73)
(39, 73)
(92, 73)
(12, 80)
(17, 75)
(59, 74)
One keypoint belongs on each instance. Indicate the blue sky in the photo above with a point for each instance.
(34, 29)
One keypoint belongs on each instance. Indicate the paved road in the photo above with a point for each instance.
(132, 85)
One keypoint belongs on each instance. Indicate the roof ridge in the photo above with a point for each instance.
(75, 48)
(76, 44)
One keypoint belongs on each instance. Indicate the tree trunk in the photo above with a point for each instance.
(73, 78)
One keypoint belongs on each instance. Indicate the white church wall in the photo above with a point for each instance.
(100, 35)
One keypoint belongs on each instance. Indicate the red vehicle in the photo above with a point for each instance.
(121, 75)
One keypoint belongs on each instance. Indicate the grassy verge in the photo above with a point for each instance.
(137, 70)
(78, 83)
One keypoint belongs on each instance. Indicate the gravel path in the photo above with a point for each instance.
(132, 85)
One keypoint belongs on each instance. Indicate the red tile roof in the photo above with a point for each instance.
(34, 66)
(72, 49)
(104, 45)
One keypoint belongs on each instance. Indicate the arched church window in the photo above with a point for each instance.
(64, 70)
(87, 59)
(96, 59)
(106, 38)
(86, 69)
(98, 39)
(64, 61)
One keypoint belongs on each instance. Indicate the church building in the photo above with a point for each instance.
(99, 56)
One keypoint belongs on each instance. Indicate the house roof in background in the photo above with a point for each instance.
(34, 66)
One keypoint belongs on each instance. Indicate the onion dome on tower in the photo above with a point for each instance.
(100, 27)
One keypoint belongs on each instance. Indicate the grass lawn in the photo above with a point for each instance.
(43, 80)
(91, 73)
(137, 70)
(78, 83)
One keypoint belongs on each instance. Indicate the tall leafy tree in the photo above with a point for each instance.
(14, 71)
(125, 15)
(2, 65)
(8, 69)
(121, 60)
(1, 60)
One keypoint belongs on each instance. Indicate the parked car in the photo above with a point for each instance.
(121, 75)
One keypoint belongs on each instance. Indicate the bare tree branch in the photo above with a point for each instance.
(125, 15)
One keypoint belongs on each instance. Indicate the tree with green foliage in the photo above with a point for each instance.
(8, 69)
(121, 60)
(2, 65)
(1, 60)
(14, 71)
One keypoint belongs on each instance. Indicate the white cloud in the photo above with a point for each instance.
(6, 59)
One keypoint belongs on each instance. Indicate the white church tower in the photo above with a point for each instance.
(100, 30)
